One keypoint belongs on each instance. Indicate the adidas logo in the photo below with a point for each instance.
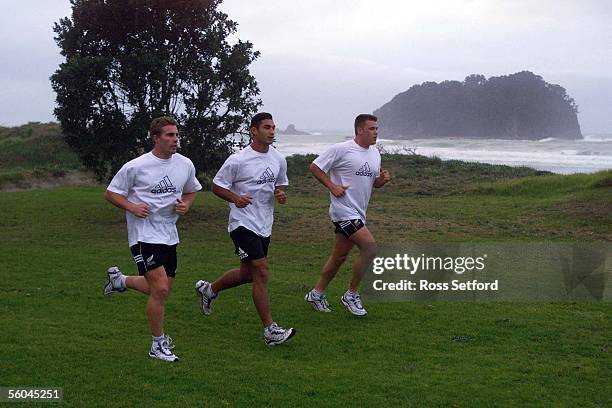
(242, 254)
(164, 186)
(364, 170)
(267, 177)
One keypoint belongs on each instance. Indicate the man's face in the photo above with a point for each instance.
(369, 132)
(264, 133)
(167, 140)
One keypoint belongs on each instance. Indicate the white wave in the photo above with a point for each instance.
(597, 138)
(556, 155)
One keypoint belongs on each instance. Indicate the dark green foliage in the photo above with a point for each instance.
(35, 145)
(36, 154)
(604, 181)
(517, 106)
(416, 174)
(130, 61)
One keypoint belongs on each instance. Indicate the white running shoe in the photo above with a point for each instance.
(353, 303)
(161, 351)
(204, 291)
(318, 302)
(275, 335)
(113, 281)
(168, 341)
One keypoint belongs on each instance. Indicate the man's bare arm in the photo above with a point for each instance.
(229, 196)
(336, 190)
(140, 210)
(184, 203)
(383, 179)
(280, 193)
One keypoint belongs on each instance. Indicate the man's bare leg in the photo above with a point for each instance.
(232, 278)
(340, 251)
(159, 288)
(140, 283)
(261, 297)
(208, 292)
(367, 251)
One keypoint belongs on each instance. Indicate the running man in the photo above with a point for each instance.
(349, 170)
(250, 180)
(154, 190)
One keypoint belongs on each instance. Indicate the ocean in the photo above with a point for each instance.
(591, 154)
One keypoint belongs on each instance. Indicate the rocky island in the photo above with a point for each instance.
(291, 130)
(516, 106)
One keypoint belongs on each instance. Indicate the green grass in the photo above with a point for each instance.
(552, 184)
(35, 145)
(419, 175)
(59, 331)
(35, 155)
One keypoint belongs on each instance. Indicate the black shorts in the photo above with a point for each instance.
(249, 245)
(151, 256)
(348, 227)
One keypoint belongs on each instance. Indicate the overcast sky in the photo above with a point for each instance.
(322, 62)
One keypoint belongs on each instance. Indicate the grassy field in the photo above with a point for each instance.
(35, 155)
(58, 330)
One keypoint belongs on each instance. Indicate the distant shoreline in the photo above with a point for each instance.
(561, 156)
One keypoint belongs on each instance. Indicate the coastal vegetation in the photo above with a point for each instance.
(517, 106)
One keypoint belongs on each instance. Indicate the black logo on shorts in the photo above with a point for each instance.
(267, 177)
(364, 170)
(164, 186)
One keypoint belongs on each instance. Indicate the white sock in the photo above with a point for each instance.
(316, 293)
(158, 339)
(211, 293)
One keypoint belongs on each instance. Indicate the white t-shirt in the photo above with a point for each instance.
(349, 164)
(255, 174)
(158, 183)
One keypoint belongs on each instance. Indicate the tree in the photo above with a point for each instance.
(128, 61)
